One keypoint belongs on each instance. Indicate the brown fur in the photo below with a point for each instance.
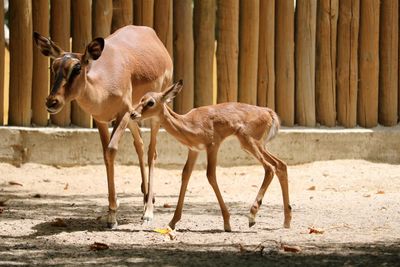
(134, 61)
(205, 128)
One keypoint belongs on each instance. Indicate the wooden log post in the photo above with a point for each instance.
(183, 54)
(143, 12)
(325, 82)
(368, 64)
(388, 62)
(40, 76)
(347, 62)
(60, 32)
(284, 61)
(21, 62)
(81, 37)
(2, 67)
(102, 12)
(204, 45)
(248, 50)
(266, 55)
(306, 18)
(227, 50)
(163, 22)
(122, 14)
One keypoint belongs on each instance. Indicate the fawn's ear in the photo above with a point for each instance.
(93, 50)
(172, 91)
(46, 46)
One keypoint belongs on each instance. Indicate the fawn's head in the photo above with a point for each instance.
(152, 103)
(68, 69)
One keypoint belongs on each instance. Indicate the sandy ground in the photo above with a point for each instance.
(355, 203)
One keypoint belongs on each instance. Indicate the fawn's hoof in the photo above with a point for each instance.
(252, 220)
(112, 225)
(227, 227)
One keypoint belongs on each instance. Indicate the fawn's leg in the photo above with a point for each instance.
(252, 147)
(187, 171)
(281, 172)
(212, 152)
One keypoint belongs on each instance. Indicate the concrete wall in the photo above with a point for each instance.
(69, 147)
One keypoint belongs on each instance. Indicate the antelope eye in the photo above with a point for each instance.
(76, 69)
(150, 103)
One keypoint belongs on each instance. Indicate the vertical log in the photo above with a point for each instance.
(266, 53)
(284, 61)
(306, 18)
(347, 62)
(183, 54)
(163, 22)
(2, 66)
(81, 37)
(102, 12)
(20, 62)
(388, 62)
(368, 63)
(227, 50)
(60, 32)
(204, 44)
(325, 82)
(122, 14)
(248, 50)
(40, 76)
(143, 12)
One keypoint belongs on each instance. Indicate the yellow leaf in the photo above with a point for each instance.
(163, 231)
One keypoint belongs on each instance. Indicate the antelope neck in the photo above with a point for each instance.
(176, 125)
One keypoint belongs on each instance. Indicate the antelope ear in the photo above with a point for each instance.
(46, 46)
(93, 50)
(172, 91)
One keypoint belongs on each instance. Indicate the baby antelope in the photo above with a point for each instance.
(205, 128)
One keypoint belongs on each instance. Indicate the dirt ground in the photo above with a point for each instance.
(355, 203)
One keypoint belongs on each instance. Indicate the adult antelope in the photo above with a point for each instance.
(205, 128)
(112, 75)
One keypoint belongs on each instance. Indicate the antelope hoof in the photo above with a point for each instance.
(148, 215)
(227, 227)
(112, 219)
(286, 224)
(252, 220)
(171, 225)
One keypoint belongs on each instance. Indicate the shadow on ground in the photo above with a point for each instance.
(194, 255)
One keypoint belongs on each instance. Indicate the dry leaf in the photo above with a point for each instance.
(294, 249)
(58, 222)
(166, 205)
(312, 188)
(168, 232)
(163, 231)
(66, 186)
(380, 192)
(3, 202)
(242, 249)
(315, 231)
(14, 183)
(98, 246)
(367, 195)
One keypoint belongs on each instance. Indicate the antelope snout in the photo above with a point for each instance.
(135, 115)
(53, 105)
